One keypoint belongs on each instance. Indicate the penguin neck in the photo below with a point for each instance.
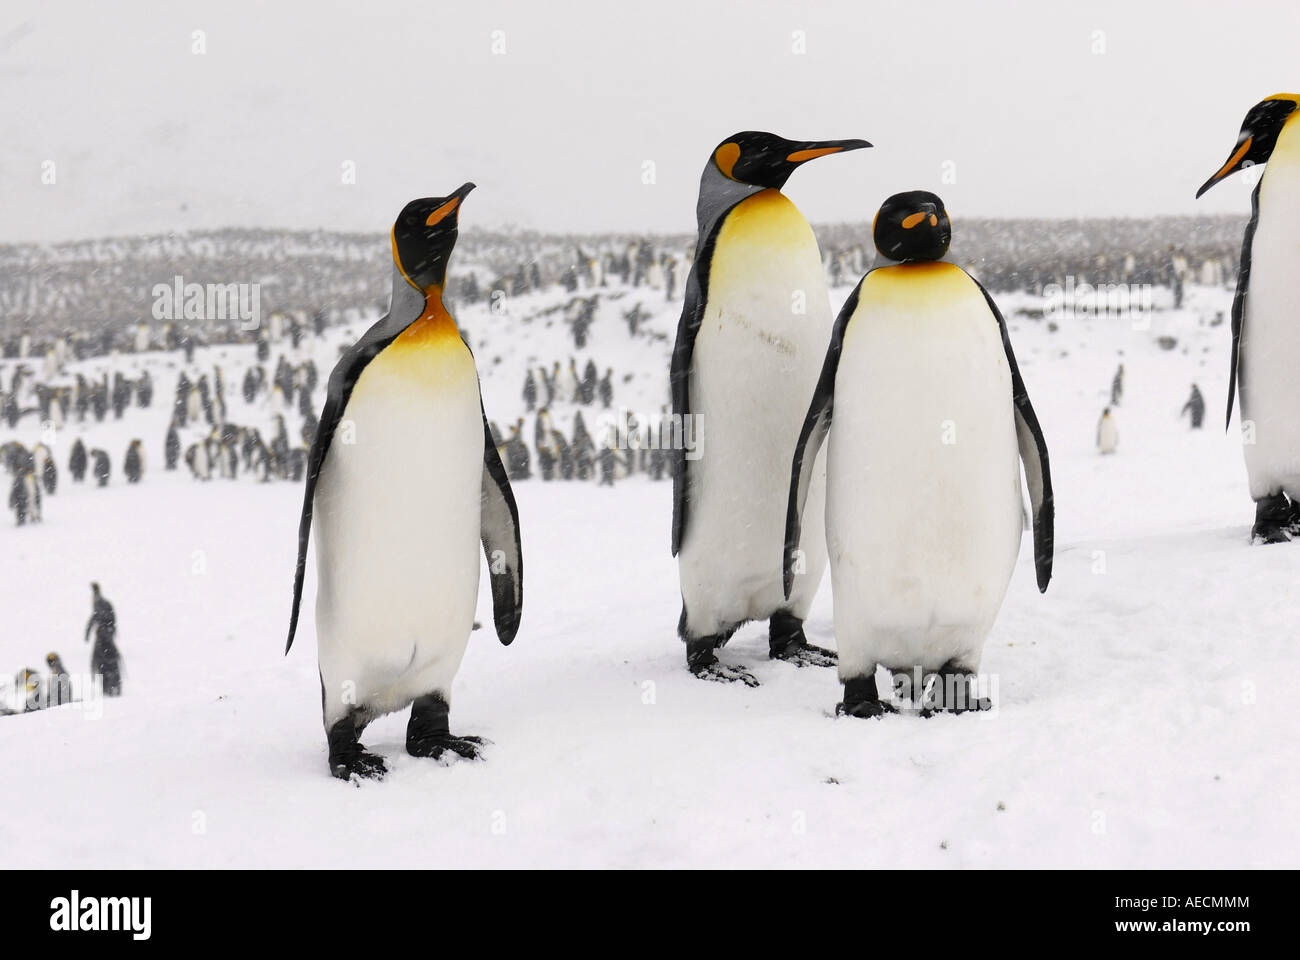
(433, 325)
(718, 195)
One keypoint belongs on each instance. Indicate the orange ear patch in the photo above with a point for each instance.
(725, 157)
(799, 156)
(442, 212)
(912, 220)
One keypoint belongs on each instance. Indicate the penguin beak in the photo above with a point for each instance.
(805, 150)
(1234, 162)
(450, 207)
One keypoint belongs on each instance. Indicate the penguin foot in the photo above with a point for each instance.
(348, 758)
(1275, 520)
(427, 734)
(704, 663)
(1270, 534)
(724, 673)
(806, 655)
(786, 641)
(954, 691)
(436, 747)
(864, 709)
(358, 765)
(862, 699)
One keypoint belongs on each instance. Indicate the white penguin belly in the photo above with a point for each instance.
(755, 367)
(1270, 342)
(397, 525)
(923, 514)
(1107, 435)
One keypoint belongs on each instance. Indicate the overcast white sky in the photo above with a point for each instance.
(147, 136)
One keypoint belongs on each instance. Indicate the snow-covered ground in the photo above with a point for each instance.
(1144, 714)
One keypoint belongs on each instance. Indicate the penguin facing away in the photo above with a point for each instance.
(400, 499)
(752, 333)
(931, 422)
(101, 467)
(77, 461)
(1265, 336)
(105, 658)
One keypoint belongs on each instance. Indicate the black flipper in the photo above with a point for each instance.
(499, 525)
(341, 382)
(1239, 299)
(680, 378)
(815, 427)
(1033, 452)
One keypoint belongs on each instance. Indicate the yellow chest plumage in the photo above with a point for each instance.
(427, 355)
(759, 229)
(931, 284)
(1287, 150)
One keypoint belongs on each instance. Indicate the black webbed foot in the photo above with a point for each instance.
(428, 735)
(955, 690)
(786, 641)
(862, 699)
(1275, 520)
(703, 662)
(468, 748)
(348, 759)
(358, 765)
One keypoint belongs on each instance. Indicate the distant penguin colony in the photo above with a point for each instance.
(1265, 335)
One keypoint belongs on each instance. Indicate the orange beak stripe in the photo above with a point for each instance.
(442, 212)
(799, 156)
(1234, 159)
(910, 221)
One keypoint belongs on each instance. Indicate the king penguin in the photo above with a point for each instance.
(753, 329)
(1265, 334)
(923, 513)
(402, 485)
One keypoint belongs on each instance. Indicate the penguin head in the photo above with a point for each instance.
(424, 235)
(766, 160)
(1258, 136)
(912, 226)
